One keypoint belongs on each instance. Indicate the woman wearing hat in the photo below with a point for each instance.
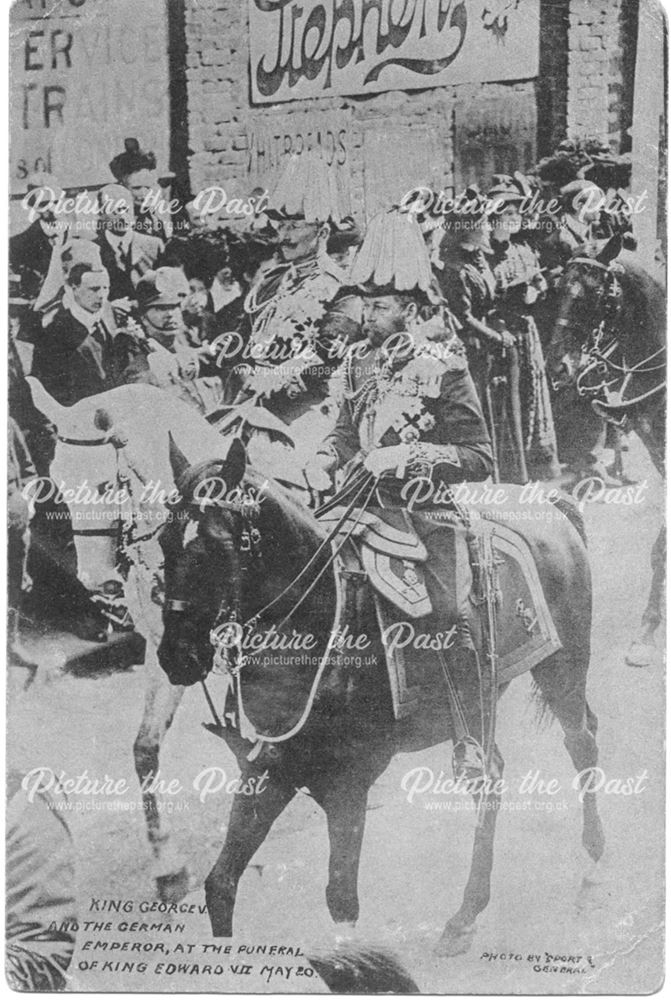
(519, 285)
(469, 286)
(582, 202)
(135, 169)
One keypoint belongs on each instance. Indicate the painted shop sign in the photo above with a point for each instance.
(84, 75)
(319, 48)
(272, 137)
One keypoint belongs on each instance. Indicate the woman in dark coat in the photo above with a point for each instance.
(469, 287)
(519, 285)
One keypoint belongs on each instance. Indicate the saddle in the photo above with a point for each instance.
(389, 556)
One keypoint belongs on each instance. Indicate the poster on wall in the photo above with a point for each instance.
(82, 71)
(336, 490)
(322, 48)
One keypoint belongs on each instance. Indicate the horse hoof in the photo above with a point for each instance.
(592, 896)
(345, 931)
(640, 654)
(454, 941)
(172, 888)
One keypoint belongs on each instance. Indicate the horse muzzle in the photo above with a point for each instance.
(181, 662)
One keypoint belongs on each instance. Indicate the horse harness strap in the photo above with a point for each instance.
(84, 442)
(247, 729)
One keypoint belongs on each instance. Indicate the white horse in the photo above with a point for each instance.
(112, 462)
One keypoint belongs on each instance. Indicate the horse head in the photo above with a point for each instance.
(588, 291)
(203, 542)
(112, 468)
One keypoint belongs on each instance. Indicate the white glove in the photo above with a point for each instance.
(381, 460)
(317, 472)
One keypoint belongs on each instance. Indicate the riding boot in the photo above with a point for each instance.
(472, 713)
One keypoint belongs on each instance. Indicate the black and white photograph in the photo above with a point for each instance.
(336, 550)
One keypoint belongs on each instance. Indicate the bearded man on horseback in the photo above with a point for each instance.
(412, 420)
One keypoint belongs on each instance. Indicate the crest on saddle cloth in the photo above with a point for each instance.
(391, 559)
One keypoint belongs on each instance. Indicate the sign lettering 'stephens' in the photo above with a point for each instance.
(326, 47)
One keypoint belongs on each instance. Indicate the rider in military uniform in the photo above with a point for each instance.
(296, 307)
(409, 398)
(410, 414)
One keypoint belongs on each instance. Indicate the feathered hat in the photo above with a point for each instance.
(393, 257)
(308, 188)
(466, 225)
(508, 190)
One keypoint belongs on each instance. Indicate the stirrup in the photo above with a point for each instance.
(468, 760)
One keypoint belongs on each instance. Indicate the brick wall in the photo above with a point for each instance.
(552, 83)
(234, 144)
(601, 47)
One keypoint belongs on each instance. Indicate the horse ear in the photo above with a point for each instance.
(610, 250)
(45, 403)
(235, 463)
(178, 461)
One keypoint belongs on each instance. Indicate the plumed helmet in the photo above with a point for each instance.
(308, 188)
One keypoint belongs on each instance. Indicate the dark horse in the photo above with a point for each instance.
(610, 336)
(350, 736)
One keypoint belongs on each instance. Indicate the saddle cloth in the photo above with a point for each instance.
(421, 565)
(392, 556)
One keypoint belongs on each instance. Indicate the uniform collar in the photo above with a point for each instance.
(83, 316)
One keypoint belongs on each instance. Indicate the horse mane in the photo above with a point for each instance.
(297, 516)
(646, 297)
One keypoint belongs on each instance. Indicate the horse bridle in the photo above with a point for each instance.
(362, 482)
(601, 358)
(227, 633)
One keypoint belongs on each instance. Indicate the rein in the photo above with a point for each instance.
(602, 359)
(226, 636)
(261, 738)
(624, 374)
(362, 480)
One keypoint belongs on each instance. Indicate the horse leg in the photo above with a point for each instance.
(642, 648)
(160, 703)
(344, 798)
(460, 929)
(568, 703)
(251, 818)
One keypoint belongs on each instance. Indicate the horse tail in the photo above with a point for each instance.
(356, 969)
(567, 506)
